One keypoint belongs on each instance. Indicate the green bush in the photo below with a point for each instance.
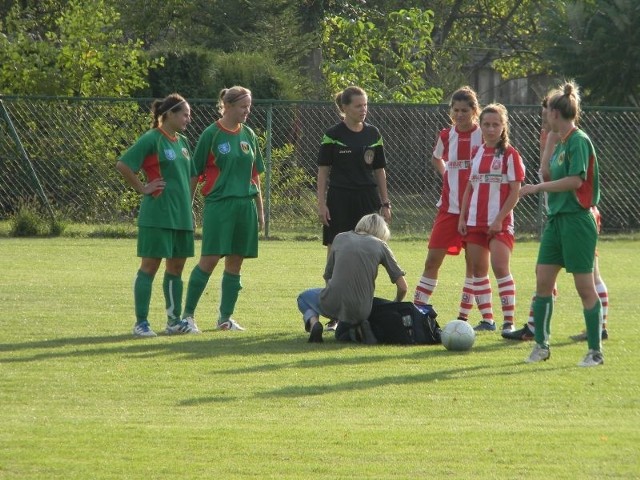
(29, 221)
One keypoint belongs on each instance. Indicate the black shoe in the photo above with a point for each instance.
(368, 338)
(316, 333)
(332, 325)
(524, 334)
(582, 337)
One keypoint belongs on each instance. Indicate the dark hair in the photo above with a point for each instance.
(159, 108)
(231, 95)
(501, 110)
(345, 97)
(466, 94)
(566, 99)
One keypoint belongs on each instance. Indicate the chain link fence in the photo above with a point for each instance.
(60, 153)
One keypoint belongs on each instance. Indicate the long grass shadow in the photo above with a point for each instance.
(216, 345)
(63, 342)
(295, 391)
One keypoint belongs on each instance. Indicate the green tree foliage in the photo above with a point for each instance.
(385, 55)
(71, 49)
(597, 43)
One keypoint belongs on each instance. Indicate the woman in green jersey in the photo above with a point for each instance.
(229, 162)
(165, 220)
(570, 235)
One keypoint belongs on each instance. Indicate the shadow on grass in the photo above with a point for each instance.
(213, 344)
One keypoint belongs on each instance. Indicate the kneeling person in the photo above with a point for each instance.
(350, 273)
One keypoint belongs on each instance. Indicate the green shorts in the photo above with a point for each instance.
(230, 227)
(164, 243)
(569, 240)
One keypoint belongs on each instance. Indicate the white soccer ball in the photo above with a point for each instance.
(458, 335)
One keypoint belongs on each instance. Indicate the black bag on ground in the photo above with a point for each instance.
(403, 323)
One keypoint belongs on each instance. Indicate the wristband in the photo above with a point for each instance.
(386, 205)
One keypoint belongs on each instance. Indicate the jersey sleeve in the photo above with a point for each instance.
(258, 166)
(379, 160)
(135, 155)
(325, 153)
(578, 156)
(442, 144)
(391, 264)
(202, 151)
(515, 166)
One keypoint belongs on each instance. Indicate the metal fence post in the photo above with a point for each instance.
(25, 157)
(267, 180)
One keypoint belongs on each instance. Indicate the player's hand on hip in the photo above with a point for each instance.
(154, 187)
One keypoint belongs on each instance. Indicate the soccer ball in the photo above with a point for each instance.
(458, 335)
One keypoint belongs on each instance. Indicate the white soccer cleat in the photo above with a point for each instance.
(592, 359)
(192, 323)
(539, 354)
(143, 329)
(230, 324)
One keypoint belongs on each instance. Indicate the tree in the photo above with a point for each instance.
(72, 49)
(597, 43)
(385, 56)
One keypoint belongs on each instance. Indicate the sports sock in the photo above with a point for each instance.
(142, 295)
(197, 283)
(172, 288)
(466, 299)
(542, 311)
(507, 292)
(603, 293)
(231, 287)
(482, 291)
(593, 321)
(424, 290)
(531, 323)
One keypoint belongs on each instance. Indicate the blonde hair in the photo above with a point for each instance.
(566, 99)
(231, 96)
(374, 224)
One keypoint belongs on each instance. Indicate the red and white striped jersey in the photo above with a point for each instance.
(490, 177)
(456, 149)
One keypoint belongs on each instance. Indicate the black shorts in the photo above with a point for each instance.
(346, 207)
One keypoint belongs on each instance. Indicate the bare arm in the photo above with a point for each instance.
(545, 155)
(381, 179)
(132, 179)
(259, 204)
(323, 211)
(509, 204)
(462, 221)
(439, 165)
(401, 289)
(561, 185)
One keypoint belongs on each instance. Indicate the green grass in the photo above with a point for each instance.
(83, 399)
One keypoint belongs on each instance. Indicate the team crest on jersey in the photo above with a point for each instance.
(185, 153)
(497, 163)
(224, 148)
(170, 154)
(244, 146)
(368, 156)
(560, 158)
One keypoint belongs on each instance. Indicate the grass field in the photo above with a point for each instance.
(82, 399)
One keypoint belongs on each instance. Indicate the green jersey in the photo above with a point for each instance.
(575, 156)
(160, 156)
(228, 162)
